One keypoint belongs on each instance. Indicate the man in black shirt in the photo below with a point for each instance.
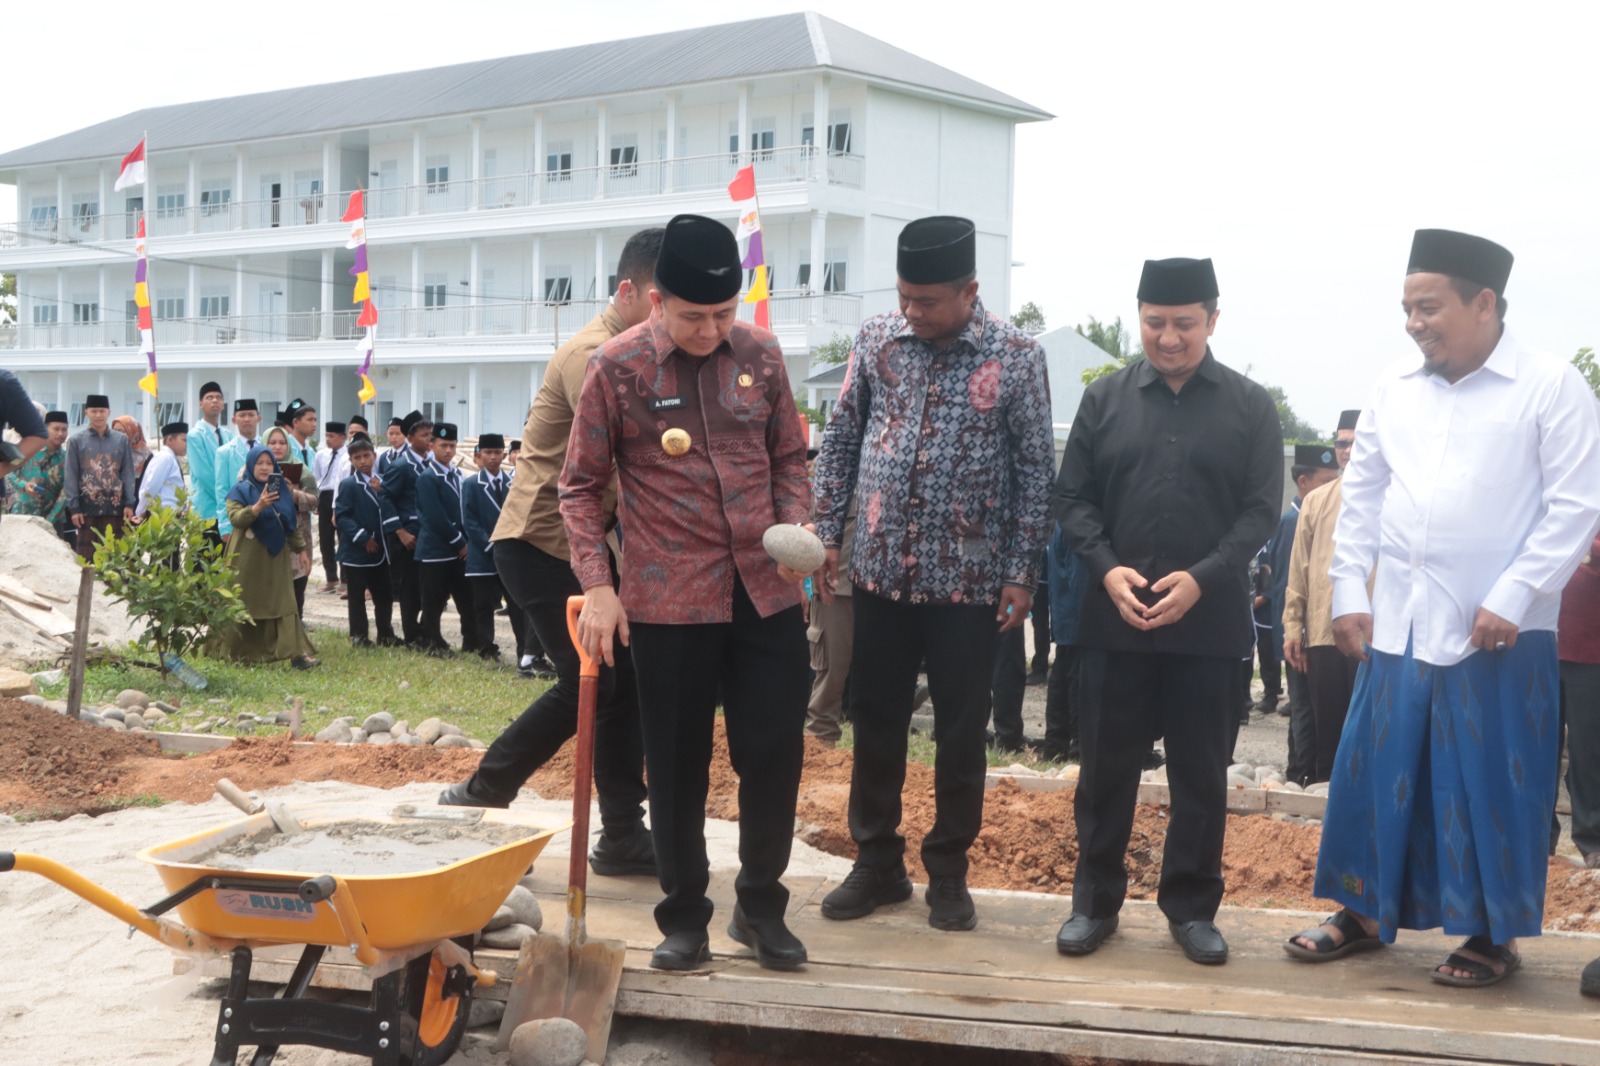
(17, 412)
(1171, 481)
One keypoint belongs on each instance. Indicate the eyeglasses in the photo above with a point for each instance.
(1344, 445)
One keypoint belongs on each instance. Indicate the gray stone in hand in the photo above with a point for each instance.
(794, 546)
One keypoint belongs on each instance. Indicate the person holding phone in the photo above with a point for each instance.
(265, 522)
(304, 495)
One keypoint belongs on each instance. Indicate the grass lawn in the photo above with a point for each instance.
(479, 698)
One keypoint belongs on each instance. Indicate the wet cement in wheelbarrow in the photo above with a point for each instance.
(357, 848)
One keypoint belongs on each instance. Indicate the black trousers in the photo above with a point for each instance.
(891, 642)
(1041, 619)
(373, 579)
(1009, 678)
(1128, 697)
(539, 584)
(325, 536)
(759, 667)
(1302, 765)
(487, 591)
(1331, 680)
(300, 595)
(1061, 702)
(1580, 704)
(407, 592)
(441, 583)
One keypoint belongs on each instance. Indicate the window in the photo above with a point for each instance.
(384, 292)
(558, 161)
(558, 285)
(43, 216)
(45, 314)
(763, 138)
(433, 409)
(434, 287)
(838, 132)
(214, 306)
(624, 160)
(438, 173)
(215, 200)
(169, 412)
(84, 213)
(169, 202)
(834, 273)
(84, 314)
(491, 164)
(169, 307)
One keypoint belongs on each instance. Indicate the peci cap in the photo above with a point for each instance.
(333, 427)
(1317, 456)
(55, 416)
(937, 249)
(1460, 255)
(172, 429)
(491, 440)
(398, 421)
(208, 388)
(358, 420)
(1348, 419)
(95, 399)
(412, 422)
(1177, 282)
(244, 405)
(699, 260)
(445, 431)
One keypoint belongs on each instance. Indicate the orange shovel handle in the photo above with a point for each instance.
(582, 778)
(587, 667)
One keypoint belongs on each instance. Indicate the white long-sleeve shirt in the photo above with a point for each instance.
(1483, 493)
(163, 477)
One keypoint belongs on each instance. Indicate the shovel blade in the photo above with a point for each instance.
(594, 973)
(539, 987)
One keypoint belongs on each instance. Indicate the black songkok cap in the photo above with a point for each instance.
(936, 250)
(1348, 419)
(514, 445)
(699, 260)
(1177, 282)
(172, 429)
(97, 400)
(333, 427)
(398, 421)
(1319, 456)
(491, 440)
(358, 420)
(296, 406)
(55, 416)
(409, 424)
(445, 431)
(1460, 255)
(244, 405)
(208, 388)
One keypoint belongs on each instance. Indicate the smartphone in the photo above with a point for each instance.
(275, 484)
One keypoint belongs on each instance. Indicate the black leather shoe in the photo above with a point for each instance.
(776, 948)
(950, 905)
(1201, 941)
(360, 642)
(1081, 934)
(628, 855)
(865, 889)
(682, 951)
(462, 794)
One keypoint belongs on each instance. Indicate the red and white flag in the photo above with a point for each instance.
(132, 169)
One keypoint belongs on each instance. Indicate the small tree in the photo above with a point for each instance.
(809, 413)
(1113, 338)
(833, 351)
(1585, 362)
(1030, 319)
(1296, 430)
(178, 607)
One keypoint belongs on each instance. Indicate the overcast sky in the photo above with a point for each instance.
(1298, 145)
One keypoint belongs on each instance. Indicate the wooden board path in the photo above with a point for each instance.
(1138, 998)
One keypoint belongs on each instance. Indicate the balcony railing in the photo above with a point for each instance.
(775, 167)
(538, 322)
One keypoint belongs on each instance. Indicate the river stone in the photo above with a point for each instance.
(380, 738)
(401, 728)
(549, 1042)
(450, 740)
(358, 736)
(1292, 786)
(794, 546)
(509, 938)
(162, 705)
(450, 729)
(129, 698)
(429, 730)
(502, 918)
(412, 740)
(345, 720)
(113, 725)
(33, 700)
(245, 729)
(524, 907)
(116, 714)
(382, 722)
(476, 745)
(134, 723)
(153, 715)
(1269, 785)
(1240, 781)
(49, 677)
(336, 732)
(485, 1012)
(203, 727)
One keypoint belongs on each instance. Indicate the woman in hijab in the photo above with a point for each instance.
(305, 501)
(265, 534)
(129, 427)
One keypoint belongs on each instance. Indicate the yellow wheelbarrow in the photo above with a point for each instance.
(412, 930)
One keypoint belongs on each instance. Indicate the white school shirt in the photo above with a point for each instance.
(163, 477)
(1484, 493)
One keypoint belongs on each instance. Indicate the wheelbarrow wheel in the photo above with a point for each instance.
(438, 998)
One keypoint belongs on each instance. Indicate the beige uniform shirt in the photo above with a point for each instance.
(531, 510)
(1308, 604)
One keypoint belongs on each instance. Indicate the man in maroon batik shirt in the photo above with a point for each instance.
(693, 411)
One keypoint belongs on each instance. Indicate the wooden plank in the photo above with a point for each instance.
(13, 589)
(49, 621)
(1240, 800)
(190, 743)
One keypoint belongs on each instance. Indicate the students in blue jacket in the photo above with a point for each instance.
(442, 546)
(400, 485)
(359, 515)
(482, 496)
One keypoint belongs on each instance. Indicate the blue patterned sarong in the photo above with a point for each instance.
(1439, 808)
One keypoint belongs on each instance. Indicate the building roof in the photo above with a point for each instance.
(1067, 355)
(833, 375)
(778, 44)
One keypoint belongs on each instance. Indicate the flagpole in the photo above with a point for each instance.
(154, 398)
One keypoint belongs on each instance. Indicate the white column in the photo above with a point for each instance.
(414, 204)
(536, 193)
(536, 265)
(238, 298)
(472, 427)
(600, 292)
(191, 300)
(63, 309)
(744, 123)
(475, 303)
(327, 186)
(602, 155)
(415, 299)
(103, 194)
(191, 413)
(191, 195)
(475, 164)
(819, 125)
(63, 208)
(100, 281)
(819, 248)
(325, 320)
(325, 397)
(63, 401)
(416, 389)
(239, 196)
(238, 394)
(669, 169)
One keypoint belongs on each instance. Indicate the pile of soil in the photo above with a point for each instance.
(53, 766)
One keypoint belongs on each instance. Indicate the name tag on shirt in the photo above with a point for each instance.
(666, 403)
